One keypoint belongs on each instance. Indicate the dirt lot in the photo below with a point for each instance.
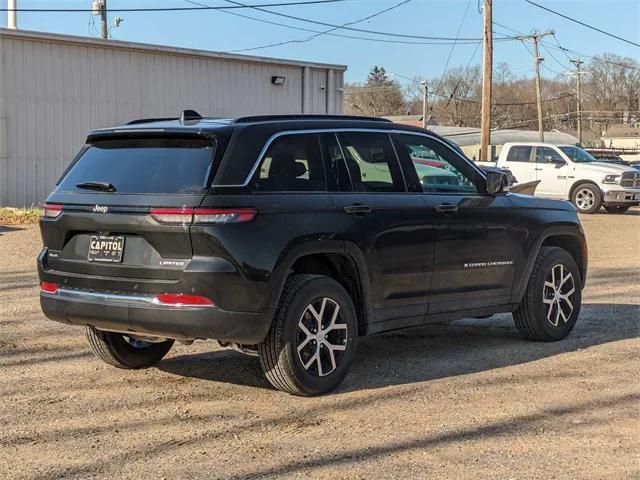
(464, 400)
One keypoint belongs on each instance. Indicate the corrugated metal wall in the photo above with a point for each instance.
(53, 92)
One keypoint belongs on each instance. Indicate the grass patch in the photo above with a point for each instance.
(19, 216)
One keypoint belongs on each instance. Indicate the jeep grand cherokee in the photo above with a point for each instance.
(288, 237)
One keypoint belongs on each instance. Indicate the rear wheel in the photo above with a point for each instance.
(127, 352)
(587, 198)
(312, 340)
(551, 304)
(617, 208)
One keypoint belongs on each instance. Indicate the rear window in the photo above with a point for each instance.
(144, 165)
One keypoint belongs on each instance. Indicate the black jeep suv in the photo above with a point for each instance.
(288, 237)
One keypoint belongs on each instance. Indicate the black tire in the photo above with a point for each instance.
(617, 208)
(114, 349)
(532, 318)
(587, 198)
(282, 364)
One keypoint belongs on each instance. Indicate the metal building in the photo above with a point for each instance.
(55, 88)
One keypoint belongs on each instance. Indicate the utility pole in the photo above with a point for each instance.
(103, 19)
(424, 104)
(577, 74)
(487, 74)
(535, 38)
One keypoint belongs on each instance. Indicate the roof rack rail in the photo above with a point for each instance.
(262, 118)
(148, 120)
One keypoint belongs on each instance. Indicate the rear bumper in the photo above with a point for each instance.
(139, 314)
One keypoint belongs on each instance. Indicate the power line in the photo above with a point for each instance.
(453, 46)
(453, 92)
(566, 51)
(365, 89)
(582, 23)
(360, 30)
(623, 65)
(171, 9)
(553, 56)
(332, 34)
(308, 39)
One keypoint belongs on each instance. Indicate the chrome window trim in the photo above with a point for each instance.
(317, 131)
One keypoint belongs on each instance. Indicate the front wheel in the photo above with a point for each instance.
(587, 198)
(312, 340)
(551, 303)
(617, 208)
(122, 351)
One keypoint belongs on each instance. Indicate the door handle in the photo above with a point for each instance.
(357, 209)
(537, 169)
(447, 209)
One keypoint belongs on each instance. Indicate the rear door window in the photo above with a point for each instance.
(371, 162)
(143, 165)
(292, 163)
(519, 154)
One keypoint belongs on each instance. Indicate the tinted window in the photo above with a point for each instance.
(144, 165)
(547, 155)
(434, 167)
(335, 166)
(291, 164)
(519, 154)
(371, 162)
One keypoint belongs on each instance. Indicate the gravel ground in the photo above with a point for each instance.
(469, 399)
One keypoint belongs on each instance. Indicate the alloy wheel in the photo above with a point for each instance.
(557, 295)
(321, 338)
(585, 199)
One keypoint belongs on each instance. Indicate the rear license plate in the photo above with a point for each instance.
(106, 248)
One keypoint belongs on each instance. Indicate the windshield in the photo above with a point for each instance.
(142, 165)
(577, 154)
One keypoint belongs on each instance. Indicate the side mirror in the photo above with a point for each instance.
(496, 182)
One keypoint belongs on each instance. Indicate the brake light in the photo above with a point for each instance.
(51, 211)
(49, 287)
(181, 299)
(187, 215)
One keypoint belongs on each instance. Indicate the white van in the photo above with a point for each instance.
(568, 172)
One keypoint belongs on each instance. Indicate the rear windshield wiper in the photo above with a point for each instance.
(105, 186)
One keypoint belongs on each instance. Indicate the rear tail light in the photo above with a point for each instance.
(223, 215)
(51, 210)
(181, 299)
(172, 215)
(49, 287)
(187, 216)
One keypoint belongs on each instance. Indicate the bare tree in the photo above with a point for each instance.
(378, 96)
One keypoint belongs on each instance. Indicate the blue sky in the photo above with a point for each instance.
(218, 31)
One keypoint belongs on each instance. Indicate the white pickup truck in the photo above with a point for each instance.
(567, 172)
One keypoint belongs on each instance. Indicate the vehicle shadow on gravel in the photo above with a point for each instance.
(4, 229)
(430, 352)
